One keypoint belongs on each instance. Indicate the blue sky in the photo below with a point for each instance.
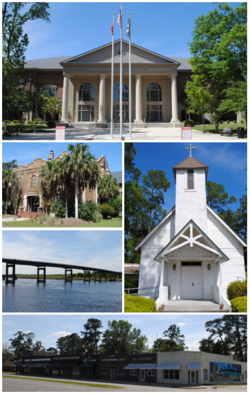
(25, 152)
(77, 27)
(49, 328)
(93, 248)
(226, 162)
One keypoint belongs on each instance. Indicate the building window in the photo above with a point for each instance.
(85, 113)
(20, 181)
(133, 372)
(154, 92)
(205, 374)
(103, 370)
(116, 102)
(116, 113)
(87, 92)
(171, 374)
(116, 92)
(33, 181)
(104, 166)
(50, 89)
(55, 371)
(190, 179)
(151, 372)
(76, 371)
(120, 371)
(154, 113)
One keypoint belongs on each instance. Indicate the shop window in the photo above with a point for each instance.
(133, 372)
(205, 374)
(76, 371)
(103, 370)
(151, 372)
(171, 374)
(55, 371)
(120, 371)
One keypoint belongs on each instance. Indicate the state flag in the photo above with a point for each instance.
(128, 28)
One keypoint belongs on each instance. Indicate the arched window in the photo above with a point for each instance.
(87, 92)
(154, 100)
(116, 96)
(154, 92)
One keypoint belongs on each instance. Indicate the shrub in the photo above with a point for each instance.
(106, 210)
(242, 121)
(228, 121)
(58, 208)
(30, 121)
(138, 304)
(3, 207)
(234, 121)
(7, 121)
(116, 204)
(236, 289)
(15, 121)
(221, 121)
(89, 212)
(51, 123)
(198, 123)
(39, 120)
(239, 304)
(188, 122)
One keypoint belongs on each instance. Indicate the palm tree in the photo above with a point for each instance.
(50, 176)
(108, 187)
(83, 168)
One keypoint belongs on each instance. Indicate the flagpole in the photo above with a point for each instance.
(121, 77)
(130, 134)
(112, 79)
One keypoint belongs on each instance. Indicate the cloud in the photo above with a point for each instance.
(9, 332)
(182, 324)
(59, 334)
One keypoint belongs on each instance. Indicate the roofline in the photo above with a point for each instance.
(204, 234)
(226, 226)
(127, 42)
(155, 228)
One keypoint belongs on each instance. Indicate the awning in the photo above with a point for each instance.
(87, 365)
(54, 364)
(38, 365)
(25, 365)
(70, 363)
(140, 366)
(193, 366)
(169, 366)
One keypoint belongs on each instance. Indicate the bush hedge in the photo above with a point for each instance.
(236, 289)
(138, 304)
(106, 210)
(89, 212)
(58, 208)
(188, 122)
(239, 304)
(116, 204)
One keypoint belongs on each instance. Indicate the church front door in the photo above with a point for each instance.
(191, 280)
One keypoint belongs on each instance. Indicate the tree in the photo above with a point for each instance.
(155, 183)
(15, 42)
(130, 171)
(108, 187)
(7, 177)
(235, 98)
(219, 57)
(52, 350)
(70, 345)
(38, 346)
(92, 335)
(15, 192)
(83, 167)
(50, 104)
(6, 354)
(50, 176)
(174, 333)
(167, 345)
(21, 343)
(121, 338)
(217, 197)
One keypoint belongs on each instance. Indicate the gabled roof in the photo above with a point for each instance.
(190, 163)
(117, 175)
(51, 63)
(191, 235)
(139, 55)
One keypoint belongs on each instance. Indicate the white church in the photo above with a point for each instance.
(192, 255)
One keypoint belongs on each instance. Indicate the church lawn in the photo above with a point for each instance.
(210, 128)
(114, 222)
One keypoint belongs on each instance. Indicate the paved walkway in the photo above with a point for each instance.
(148, 134)
(191, 306)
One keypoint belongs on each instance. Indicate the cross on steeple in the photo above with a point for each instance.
(190, 148)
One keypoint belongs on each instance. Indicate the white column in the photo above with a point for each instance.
(102, 99)
(138, 106)
(162, 272)
(220, 263)
(174, 99)
(83, 194)
(96, 193)
(65, 97)
(25, 203)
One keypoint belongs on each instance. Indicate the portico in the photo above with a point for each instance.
(87, 87)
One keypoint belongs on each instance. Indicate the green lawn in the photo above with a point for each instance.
(105, 386)
(30, 128)
(210, 128)
(114, 222)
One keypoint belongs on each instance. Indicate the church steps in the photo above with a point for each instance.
(191, 306)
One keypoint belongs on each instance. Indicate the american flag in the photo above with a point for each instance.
(112, 29)
(119, 20)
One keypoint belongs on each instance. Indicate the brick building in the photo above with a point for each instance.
(31, 202)
(83, 83)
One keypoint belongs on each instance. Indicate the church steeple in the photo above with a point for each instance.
(190, 194)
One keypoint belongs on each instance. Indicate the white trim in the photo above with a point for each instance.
(226, 226)
(155, 228)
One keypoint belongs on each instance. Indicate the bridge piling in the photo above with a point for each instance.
(105, 276)
(100, 276)
(71, 275)
(95, 276)
(10, 278)
(43, 279)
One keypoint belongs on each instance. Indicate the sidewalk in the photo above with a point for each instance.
(148, 134)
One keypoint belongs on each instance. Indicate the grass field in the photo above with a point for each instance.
(30, 128)
(210, 128)
(113, 222)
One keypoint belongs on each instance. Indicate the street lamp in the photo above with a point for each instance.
(204, 131)
(35, 92)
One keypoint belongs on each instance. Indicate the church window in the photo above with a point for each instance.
(190, 179)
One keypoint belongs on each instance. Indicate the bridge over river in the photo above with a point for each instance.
(41, 267)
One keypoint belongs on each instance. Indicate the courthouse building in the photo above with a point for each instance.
(83, 83)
